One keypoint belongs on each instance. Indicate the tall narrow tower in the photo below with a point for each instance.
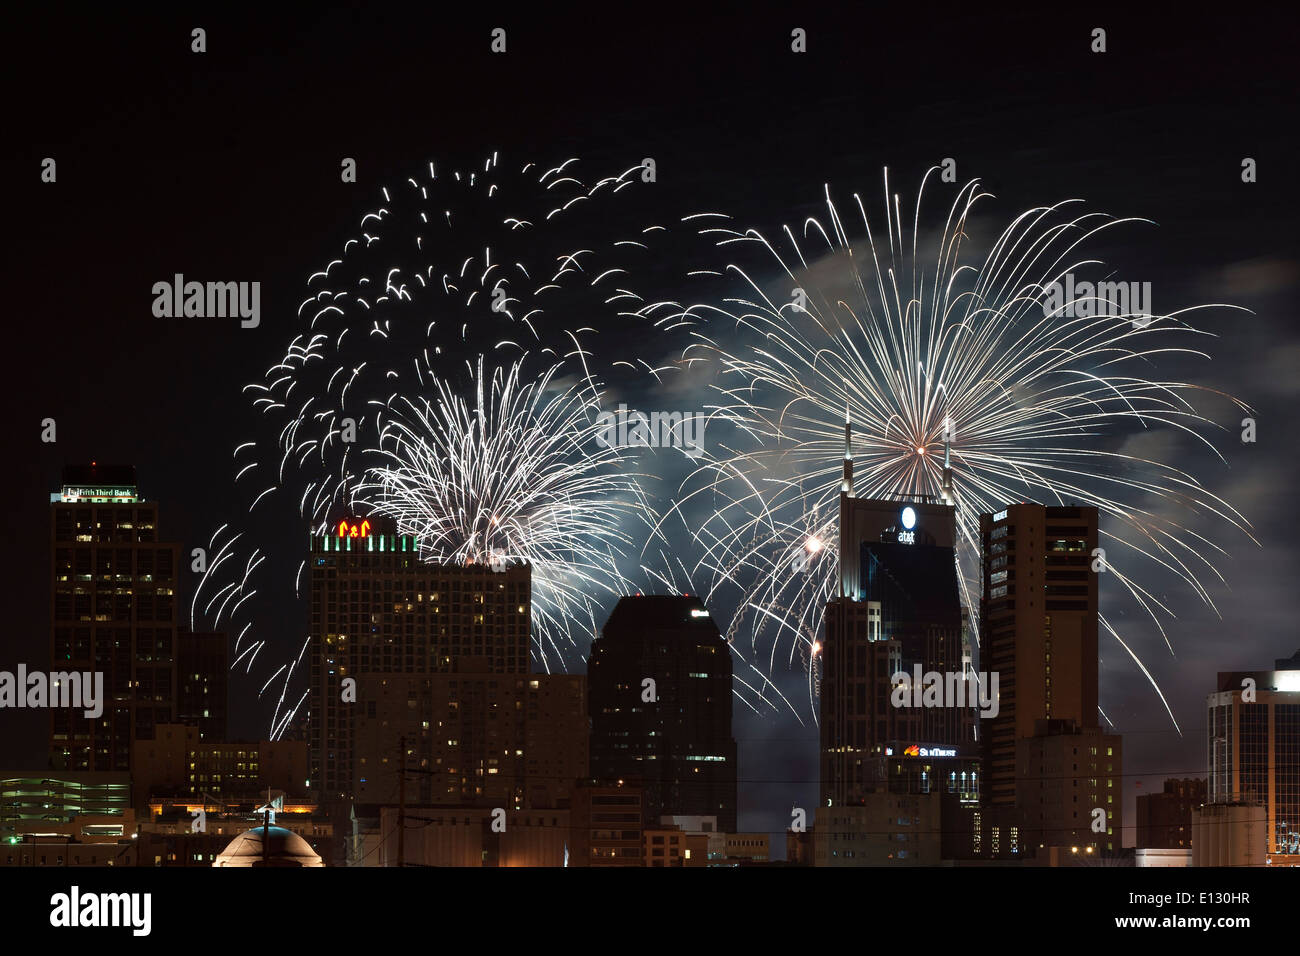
(945, 491)
(846, 487)
(1038, 629)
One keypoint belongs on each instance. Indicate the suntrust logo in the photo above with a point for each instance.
(916, 750)
(60, 689)
(946, 689)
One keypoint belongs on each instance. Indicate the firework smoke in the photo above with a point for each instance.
(918, 342)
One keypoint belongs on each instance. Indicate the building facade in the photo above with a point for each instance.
(113, 611)
(473, 837)
(1253, 750)
(379, 614)
(471, 739)
(885, 829)
(897, 619)
(1038, 627)
(1230, 833)
(900, 613)
(41, 799)
(1070, 786)
(659, 696)
(609, 823)
(1164, 820)
(179, 762)
(203, 672)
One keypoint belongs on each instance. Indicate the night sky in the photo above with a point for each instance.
(225, 165)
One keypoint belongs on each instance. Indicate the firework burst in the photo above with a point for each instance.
(517, 475)
(485, 261)
(917, 343)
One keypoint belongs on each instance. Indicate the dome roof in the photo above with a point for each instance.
(286, 848)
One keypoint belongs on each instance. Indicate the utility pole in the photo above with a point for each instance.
(401, 804)
(266, 831)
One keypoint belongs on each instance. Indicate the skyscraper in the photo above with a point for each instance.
(113, 609)
(1253, 750)
(659, 693)
(899, 610)
(1038, 625)
(379, 614)
(203, 671)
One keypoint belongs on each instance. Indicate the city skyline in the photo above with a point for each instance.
(242, 199)
(115, 486)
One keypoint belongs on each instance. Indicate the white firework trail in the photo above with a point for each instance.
(1035, 394)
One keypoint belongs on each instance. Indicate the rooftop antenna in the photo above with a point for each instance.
(946, 491)
(847, 485)
(266, 831)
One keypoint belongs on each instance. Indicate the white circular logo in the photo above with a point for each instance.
(909, 519)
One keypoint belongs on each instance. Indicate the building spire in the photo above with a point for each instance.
(946, 491)
(847, 485)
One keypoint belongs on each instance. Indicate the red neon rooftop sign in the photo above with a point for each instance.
(354, 530)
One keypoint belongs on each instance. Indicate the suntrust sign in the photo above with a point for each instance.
(917, 750)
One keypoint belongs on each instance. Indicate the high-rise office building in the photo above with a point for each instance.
(1038, 625)
(899, 610)
(378, 612)
(659, 693)
(113, 610)
(1253, 750)
(203, 671)
(435, 658)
